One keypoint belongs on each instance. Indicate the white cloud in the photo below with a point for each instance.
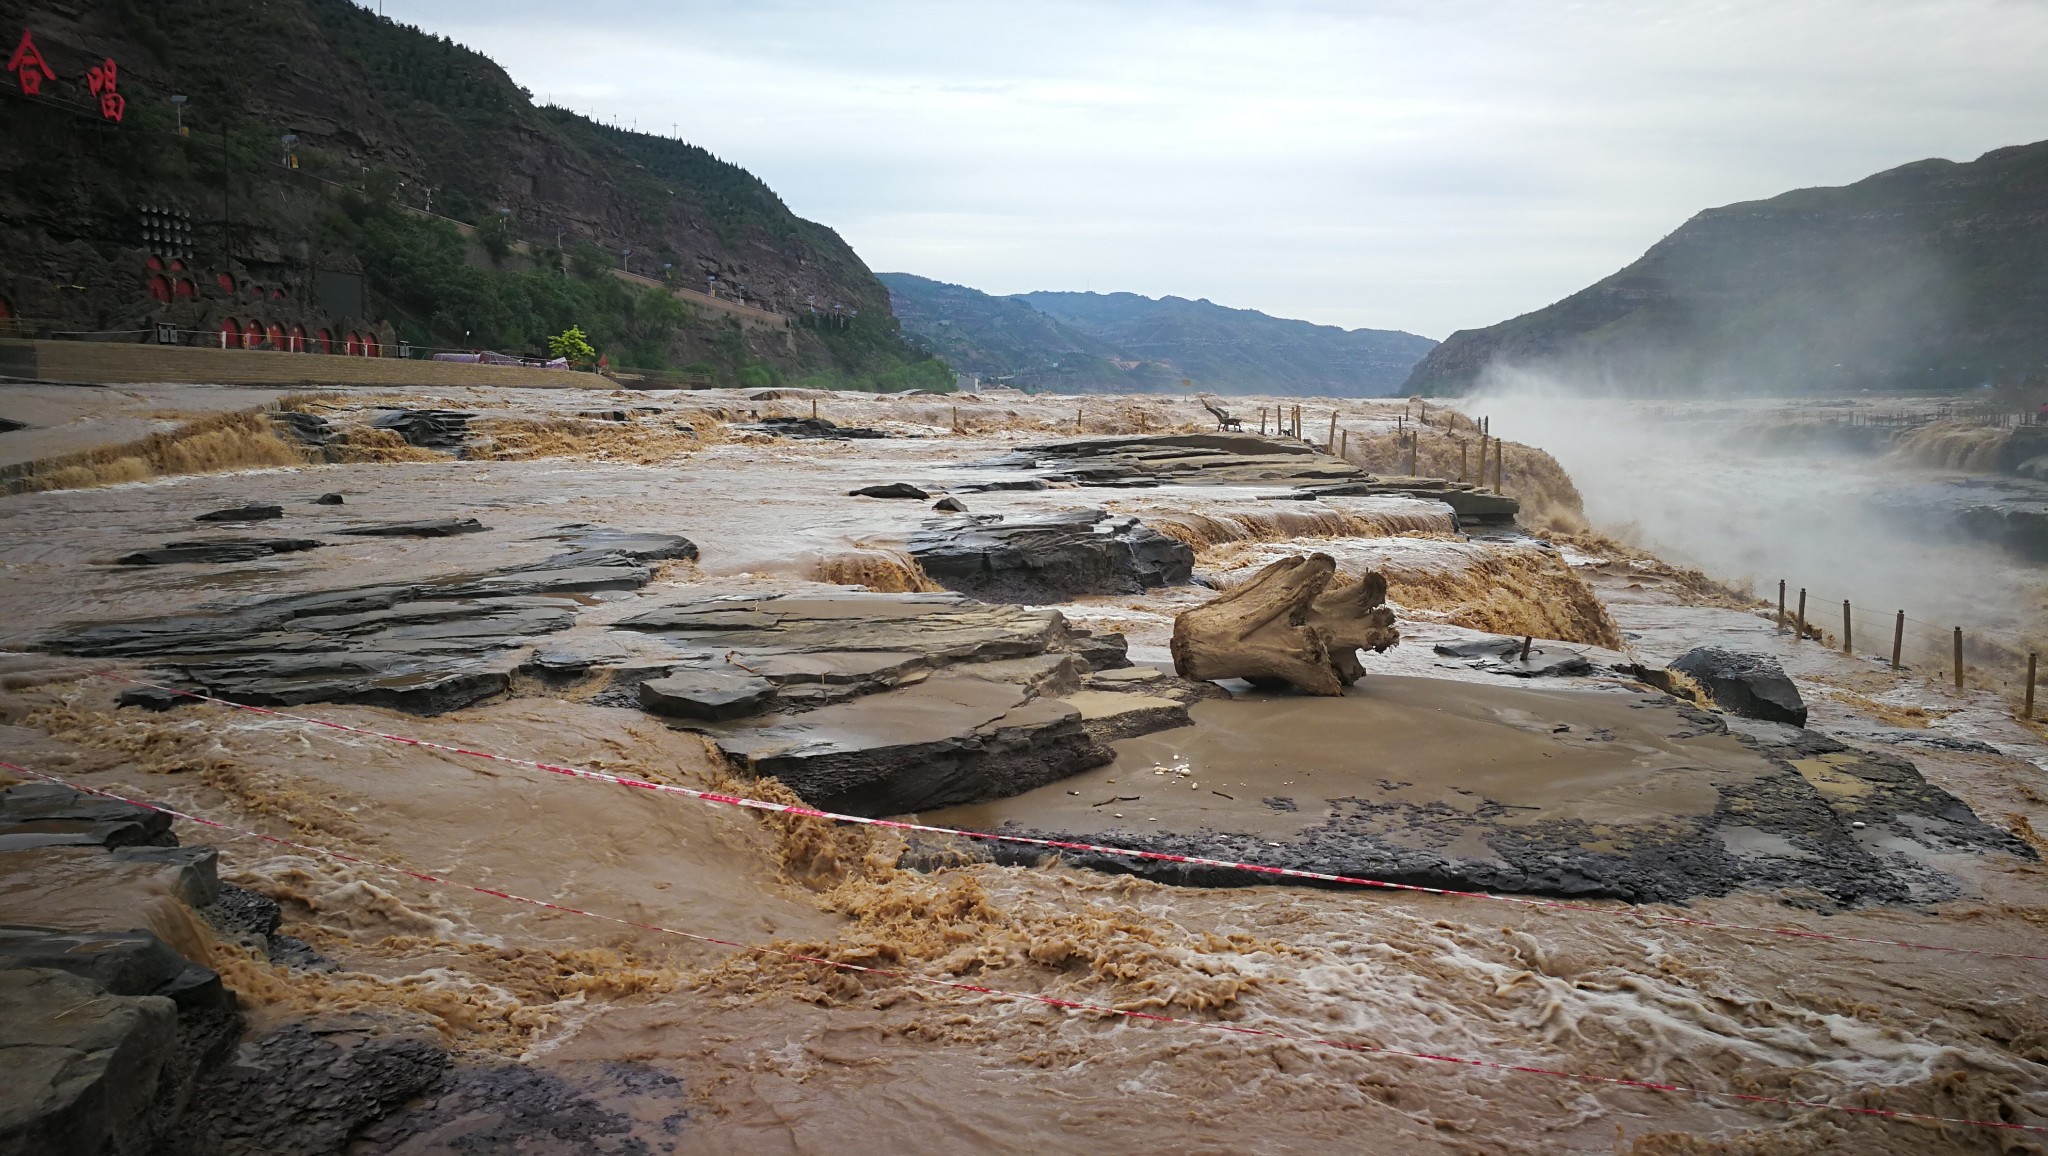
(1424, 166)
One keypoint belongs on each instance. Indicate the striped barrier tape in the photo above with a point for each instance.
(1047, 1000)
(1093, 848)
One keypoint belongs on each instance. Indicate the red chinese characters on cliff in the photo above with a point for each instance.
(101, 79)
(28, 66)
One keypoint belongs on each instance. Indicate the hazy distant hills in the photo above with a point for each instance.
(1930, 275)
(1122, 341)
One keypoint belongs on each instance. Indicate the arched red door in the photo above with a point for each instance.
(252, 335)
(230, 333)
(276, 333)
(159, 288)
(186, 290)
(297, 339)
(326, 343)
(226, 282)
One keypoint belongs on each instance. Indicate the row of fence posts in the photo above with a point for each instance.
(1285, 421)
(1898, 641)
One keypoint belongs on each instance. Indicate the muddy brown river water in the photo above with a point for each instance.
(685, 1046)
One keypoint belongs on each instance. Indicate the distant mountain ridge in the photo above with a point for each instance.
(1124, 341)
(1930, 275)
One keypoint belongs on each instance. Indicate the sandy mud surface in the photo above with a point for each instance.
(568, 1033)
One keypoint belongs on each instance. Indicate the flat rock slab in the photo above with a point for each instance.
(1050, 558)
(217, 550)
(882, 701)
(951, 738)
(1219, 458)
(307, 1088)
(1750, 685)
(422, 646)
(243, 514)
(639, 545)
(426, 528)
(83, 1066)
(1492, 787)
(49, 815)
(891, 490)
(706, 694)
(1500, 654)
(1472, 505)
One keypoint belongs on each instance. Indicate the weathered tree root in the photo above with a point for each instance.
(1286, 626)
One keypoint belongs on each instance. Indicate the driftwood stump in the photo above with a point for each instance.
(1355, 617)
(1286, 625)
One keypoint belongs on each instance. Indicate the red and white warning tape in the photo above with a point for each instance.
(1053, 1001)
(1094, 848)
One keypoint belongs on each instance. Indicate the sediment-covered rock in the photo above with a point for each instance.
(706, 694)
(1500, 654)
(1750, 685)
(1051, 557)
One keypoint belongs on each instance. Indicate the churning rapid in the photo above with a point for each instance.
(684, 589)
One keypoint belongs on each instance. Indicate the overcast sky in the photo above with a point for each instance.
(1429, 165)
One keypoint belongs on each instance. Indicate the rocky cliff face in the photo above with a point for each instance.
(1931, 275)
(371, 106)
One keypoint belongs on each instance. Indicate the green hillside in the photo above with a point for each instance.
(530, 206)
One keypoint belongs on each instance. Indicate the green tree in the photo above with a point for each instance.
(572, 344)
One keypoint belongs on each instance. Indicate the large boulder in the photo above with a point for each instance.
(307, 1088)
(1050, 557)
(49, 815)
(1750, 685)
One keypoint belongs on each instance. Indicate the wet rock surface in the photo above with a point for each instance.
(1630, 797)
(1500, 654)
(424, 647)
(1185, 458)
(308, 429)
(1472, 505)
(49, 815)
(1051, 557)
(83, 1067)
(889, 490)
(877, 702)
(1750, 685)
(811, 428)
(423, 528)
(433, 429)
(307, 1088)
(218, 550)
(536, 1112)
(243, 514)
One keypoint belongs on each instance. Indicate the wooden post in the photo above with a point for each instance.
(1332, 442)
(1464, 460)
(1262, 421)
(814, 409)
(1499, 456)
(2031, 659)
(1959, 658)
(956, 418)
(1848, 626)
(1297, 421)
(1077, 419)
(1525, 648)
(1781, 604)
(1344, 447)
(1799, 628)
(1898, 638)
(1423, 418)
(1480, 481)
